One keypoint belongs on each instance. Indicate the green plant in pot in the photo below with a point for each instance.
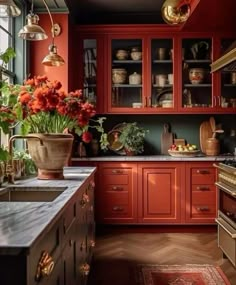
(132, 138)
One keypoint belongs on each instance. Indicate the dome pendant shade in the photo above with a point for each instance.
(32, 31)
(9, 9)
(173, 12)
(53, 59)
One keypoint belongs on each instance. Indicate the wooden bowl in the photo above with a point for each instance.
(176, 153)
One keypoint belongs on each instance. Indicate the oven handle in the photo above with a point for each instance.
(226, 189)
(231, 231)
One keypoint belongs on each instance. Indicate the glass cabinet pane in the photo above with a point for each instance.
(127, 73)
(196, 76)
(228, 82)
(162, 73)
(90, 70)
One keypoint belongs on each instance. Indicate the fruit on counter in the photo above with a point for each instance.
(187, 147)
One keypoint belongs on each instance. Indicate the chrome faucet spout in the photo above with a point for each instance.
(10, 168)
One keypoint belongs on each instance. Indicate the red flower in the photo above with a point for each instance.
(87, 137)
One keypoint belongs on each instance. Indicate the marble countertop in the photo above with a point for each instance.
(151, 158)
(22, 222)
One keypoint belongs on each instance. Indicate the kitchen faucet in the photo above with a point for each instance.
(10, 168)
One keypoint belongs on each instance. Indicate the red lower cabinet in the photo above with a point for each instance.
(159, 192)
(116, 194)
(201, 206)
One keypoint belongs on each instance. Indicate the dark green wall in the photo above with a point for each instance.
(183, 126)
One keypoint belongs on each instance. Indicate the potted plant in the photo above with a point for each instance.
(132, 138)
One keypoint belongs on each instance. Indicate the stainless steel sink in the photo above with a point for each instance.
(30, 194)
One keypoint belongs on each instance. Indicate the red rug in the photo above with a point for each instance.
(191, 274)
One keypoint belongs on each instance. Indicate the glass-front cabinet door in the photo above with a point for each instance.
(197, 92)
(162, 75)
(126, 75)
(228, 81)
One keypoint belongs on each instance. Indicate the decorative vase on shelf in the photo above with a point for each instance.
(50, 153)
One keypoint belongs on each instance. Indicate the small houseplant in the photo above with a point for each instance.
(132, 138)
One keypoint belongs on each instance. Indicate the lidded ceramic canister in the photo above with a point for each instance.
(135, 78)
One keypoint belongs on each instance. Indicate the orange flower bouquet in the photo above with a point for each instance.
(43, 107)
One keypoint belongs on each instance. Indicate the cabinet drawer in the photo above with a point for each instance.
(116, 171)
(115, 188)
(203, 209)
(203, 188)
(69, 217)
(204, 197)
(113, 198)
(116, 210)
(51, 244)
(203, 176)
(115, 179)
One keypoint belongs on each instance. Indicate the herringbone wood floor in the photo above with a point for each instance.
(116, 255)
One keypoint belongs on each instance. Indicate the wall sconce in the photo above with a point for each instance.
(33, 32)
(175, 11)
(8, 8)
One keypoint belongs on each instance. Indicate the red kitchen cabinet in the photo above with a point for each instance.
(116, 194)
(158, 81)
(159, 192)
(201, 205)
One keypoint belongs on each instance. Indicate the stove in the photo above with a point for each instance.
(226, 220)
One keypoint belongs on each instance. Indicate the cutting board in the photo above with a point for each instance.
(205, 133)
(166, 139)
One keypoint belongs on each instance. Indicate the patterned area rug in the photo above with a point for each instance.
(191, 274)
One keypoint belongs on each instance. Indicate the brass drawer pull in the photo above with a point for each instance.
(84, 200)
(117, 171)
(117, 188)
(203, 171)
(118, 209)
(203, 208)
(45, 266)
(203, 188)
(84, 269)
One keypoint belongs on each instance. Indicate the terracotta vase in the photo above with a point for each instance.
(50, 153)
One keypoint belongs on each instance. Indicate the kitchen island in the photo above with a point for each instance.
(48, 241)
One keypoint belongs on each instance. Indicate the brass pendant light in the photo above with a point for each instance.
(8, 8)
(32, 31)
(175, 11)
(53, 59)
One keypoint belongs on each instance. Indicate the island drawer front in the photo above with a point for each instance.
(111, 198)
(69, 217)
(116, 171)
(204, 175)
(203, 188)
(116, 210)
(51, 243)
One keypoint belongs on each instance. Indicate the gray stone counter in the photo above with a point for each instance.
(152, 158)
(22, 222)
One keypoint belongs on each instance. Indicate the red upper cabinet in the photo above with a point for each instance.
(153, 70)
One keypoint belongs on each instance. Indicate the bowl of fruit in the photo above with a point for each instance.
(188, 150)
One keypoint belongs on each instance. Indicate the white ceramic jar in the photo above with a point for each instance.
(136, 55)
(135, 78)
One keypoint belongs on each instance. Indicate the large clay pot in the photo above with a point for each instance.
(50, 153)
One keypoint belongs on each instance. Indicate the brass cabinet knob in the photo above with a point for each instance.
(85, 269)
(92, 243)
(45, 266)
(84, 200)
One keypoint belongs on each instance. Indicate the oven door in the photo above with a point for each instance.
(227, 239)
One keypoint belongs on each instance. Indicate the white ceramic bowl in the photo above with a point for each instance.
(167, 104)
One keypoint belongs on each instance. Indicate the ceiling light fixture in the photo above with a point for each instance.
(8, 8)
(175, 11)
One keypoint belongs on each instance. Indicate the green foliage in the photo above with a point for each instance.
(7, 55)
(132, 137)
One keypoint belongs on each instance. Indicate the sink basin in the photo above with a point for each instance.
(30, 194)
